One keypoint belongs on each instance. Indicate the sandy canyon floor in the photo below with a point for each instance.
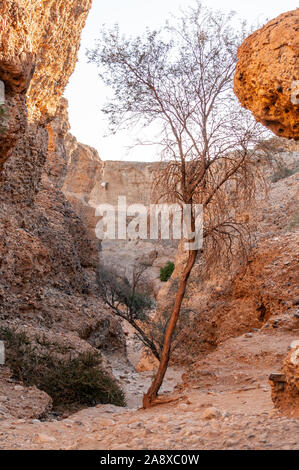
(224, 404)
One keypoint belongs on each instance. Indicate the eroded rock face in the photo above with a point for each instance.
(43, 37)
(261, 294)
(47, 260)
(90, 181)
(267, 75)
(39, 42)
(285, 386)
(84, 173)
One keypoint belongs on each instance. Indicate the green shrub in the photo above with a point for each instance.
(68, 380)
(166, 272)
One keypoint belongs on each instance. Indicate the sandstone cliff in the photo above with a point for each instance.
(48, 187)
(267, 75)
(39, 42)
(47, 259)
(285, 386)
(130, 179)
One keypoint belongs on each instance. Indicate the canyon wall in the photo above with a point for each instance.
(285, 385)
(267, 83)
(130, 179)
(267, 75)
(261, 293)
(47, 258)
(39, 45)
(39, 42)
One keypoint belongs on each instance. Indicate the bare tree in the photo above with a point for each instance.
(126, 301)
(181, 79)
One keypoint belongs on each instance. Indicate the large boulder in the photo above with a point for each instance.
(267, 75)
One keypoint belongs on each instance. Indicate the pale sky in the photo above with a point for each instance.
(85, 92)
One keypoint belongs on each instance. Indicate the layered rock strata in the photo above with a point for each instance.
(47, 258)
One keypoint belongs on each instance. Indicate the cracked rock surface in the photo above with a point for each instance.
(267, 75)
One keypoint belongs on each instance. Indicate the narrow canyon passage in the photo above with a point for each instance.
(64, 352)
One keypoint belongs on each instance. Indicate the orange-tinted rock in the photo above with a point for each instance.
(267, 75)
(39, 42)
(285, 386)
(47, 260)
(44, 38)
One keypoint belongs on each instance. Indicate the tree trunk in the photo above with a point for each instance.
(151, 395)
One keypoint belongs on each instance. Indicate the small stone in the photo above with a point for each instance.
(163, 419)
(107, 422)
(231, 443)
(18, 388)
(211, 413)
(183, 407)
(43, 438)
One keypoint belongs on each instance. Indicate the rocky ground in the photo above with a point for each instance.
(186, 426)
(17, 401)
(265, 74)
(224, 403)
